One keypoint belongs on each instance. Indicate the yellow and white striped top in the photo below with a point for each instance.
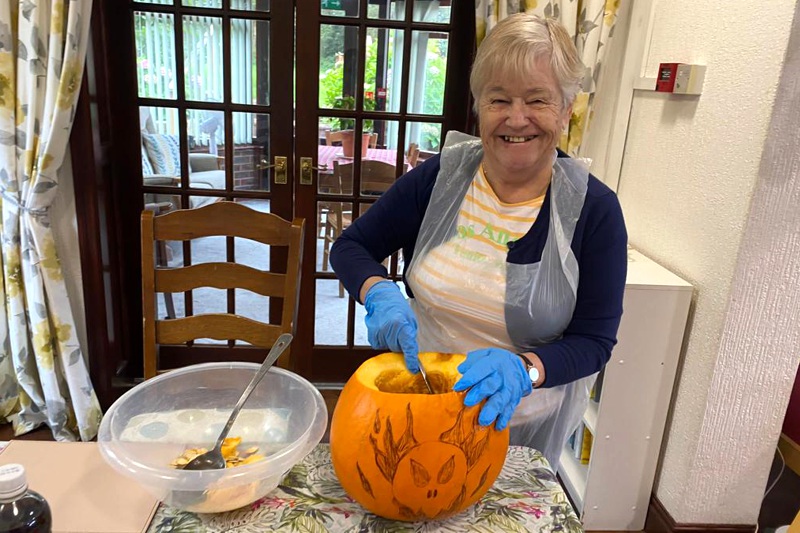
(459, 286)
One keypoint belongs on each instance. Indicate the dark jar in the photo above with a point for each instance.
(21, 509)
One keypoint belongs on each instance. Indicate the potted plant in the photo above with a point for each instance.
(347, 125)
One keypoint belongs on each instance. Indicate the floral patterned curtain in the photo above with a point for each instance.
(591, 24)
(43, 375)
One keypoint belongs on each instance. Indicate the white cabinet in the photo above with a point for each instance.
(613, 491)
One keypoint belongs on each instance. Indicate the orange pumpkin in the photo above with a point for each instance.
(405, 454)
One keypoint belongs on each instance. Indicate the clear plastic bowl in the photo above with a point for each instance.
(155, 422)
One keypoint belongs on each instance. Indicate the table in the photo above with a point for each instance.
(326, 155)
(525, 497)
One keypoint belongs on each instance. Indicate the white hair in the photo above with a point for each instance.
(515, 44)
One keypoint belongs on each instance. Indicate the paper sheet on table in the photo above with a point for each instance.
(85, 494)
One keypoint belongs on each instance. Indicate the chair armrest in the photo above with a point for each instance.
(204, 162)
(159, 207)
(161, 179)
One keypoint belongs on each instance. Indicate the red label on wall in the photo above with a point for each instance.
(666, 77)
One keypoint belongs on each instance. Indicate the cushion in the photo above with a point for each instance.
(147, 167)
(164, 152)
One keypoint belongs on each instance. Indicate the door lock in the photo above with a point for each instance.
(306, 170)
(280, 168)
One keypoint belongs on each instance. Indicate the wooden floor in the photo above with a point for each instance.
(42, 433)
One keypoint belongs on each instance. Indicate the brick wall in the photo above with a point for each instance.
(246, 157)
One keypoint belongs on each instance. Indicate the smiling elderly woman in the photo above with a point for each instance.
(514, 253)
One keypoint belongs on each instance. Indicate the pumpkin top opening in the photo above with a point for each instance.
(388, 373)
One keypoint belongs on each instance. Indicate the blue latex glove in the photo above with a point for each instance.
(498, 375)
(391, 322)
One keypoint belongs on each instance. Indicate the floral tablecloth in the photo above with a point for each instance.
(525, 497)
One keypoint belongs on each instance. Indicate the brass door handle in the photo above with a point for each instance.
(306, 169)
(280, 165)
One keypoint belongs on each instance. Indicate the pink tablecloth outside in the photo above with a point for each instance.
(326, 155)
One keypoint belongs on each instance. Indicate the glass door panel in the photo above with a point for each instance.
(428, 72)
(337, 8)
(216, 4)
(387, 10)
(424, 140)
(160, 146)
(206, 139)
(250, 5)
(383, 70)
(432, 11)
(370, 98)
(250, 51)
(203, 58)
(155, 54)
(251, 153)
(338, 54)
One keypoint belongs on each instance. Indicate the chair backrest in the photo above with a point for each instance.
(218, 219)
(423, 155)
(377, 176)
(340, 181)
(332, 137)
(413, 154)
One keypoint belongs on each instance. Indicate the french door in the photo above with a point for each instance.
(304, 108)
(376, 73)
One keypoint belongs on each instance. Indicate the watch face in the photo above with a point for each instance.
(533, 372)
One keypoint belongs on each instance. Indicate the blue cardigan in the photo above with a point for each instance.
(600, 246)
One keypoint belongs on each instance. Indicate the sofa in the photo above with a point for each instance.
(161, 166)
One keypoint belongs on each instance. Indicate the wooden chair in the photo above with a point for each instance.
(336, 221)
(413, 154)
(336, 217)
(231, 220)
(424, 155)
(377, 176)
(162, 252)
(333, 137)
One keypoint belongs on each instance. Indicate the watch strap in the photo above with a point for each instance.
(530, 366)
(524, 357)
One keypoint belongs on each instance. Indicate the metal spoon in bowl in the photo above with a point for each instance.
(213, 459)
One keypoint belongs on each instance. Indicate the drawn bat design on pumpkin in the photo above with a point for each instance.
(434, 473)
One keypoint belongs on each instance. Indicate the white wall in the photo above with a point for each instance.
(691, 167)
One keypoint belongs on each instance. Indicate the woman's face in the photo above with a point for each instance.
(521, 119)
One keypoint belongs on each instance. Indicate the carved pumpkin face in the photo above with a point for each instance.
(408, 455)
(433, 474)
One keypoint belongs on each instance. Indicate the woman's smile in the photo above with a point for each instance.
(515, 139)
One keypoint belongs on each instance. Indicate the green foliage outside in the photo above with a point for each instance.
(331, 81)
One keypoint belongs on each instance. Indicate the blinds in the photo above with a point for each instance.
(203, 67)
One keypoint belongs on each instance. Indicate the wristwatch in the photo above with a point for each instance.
(532, 371)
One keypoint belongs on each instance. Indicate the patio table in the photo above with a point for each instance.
(525, 497)
(326, 155)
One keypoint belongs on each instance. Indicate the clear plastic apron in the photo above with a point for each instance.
(539, 299)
